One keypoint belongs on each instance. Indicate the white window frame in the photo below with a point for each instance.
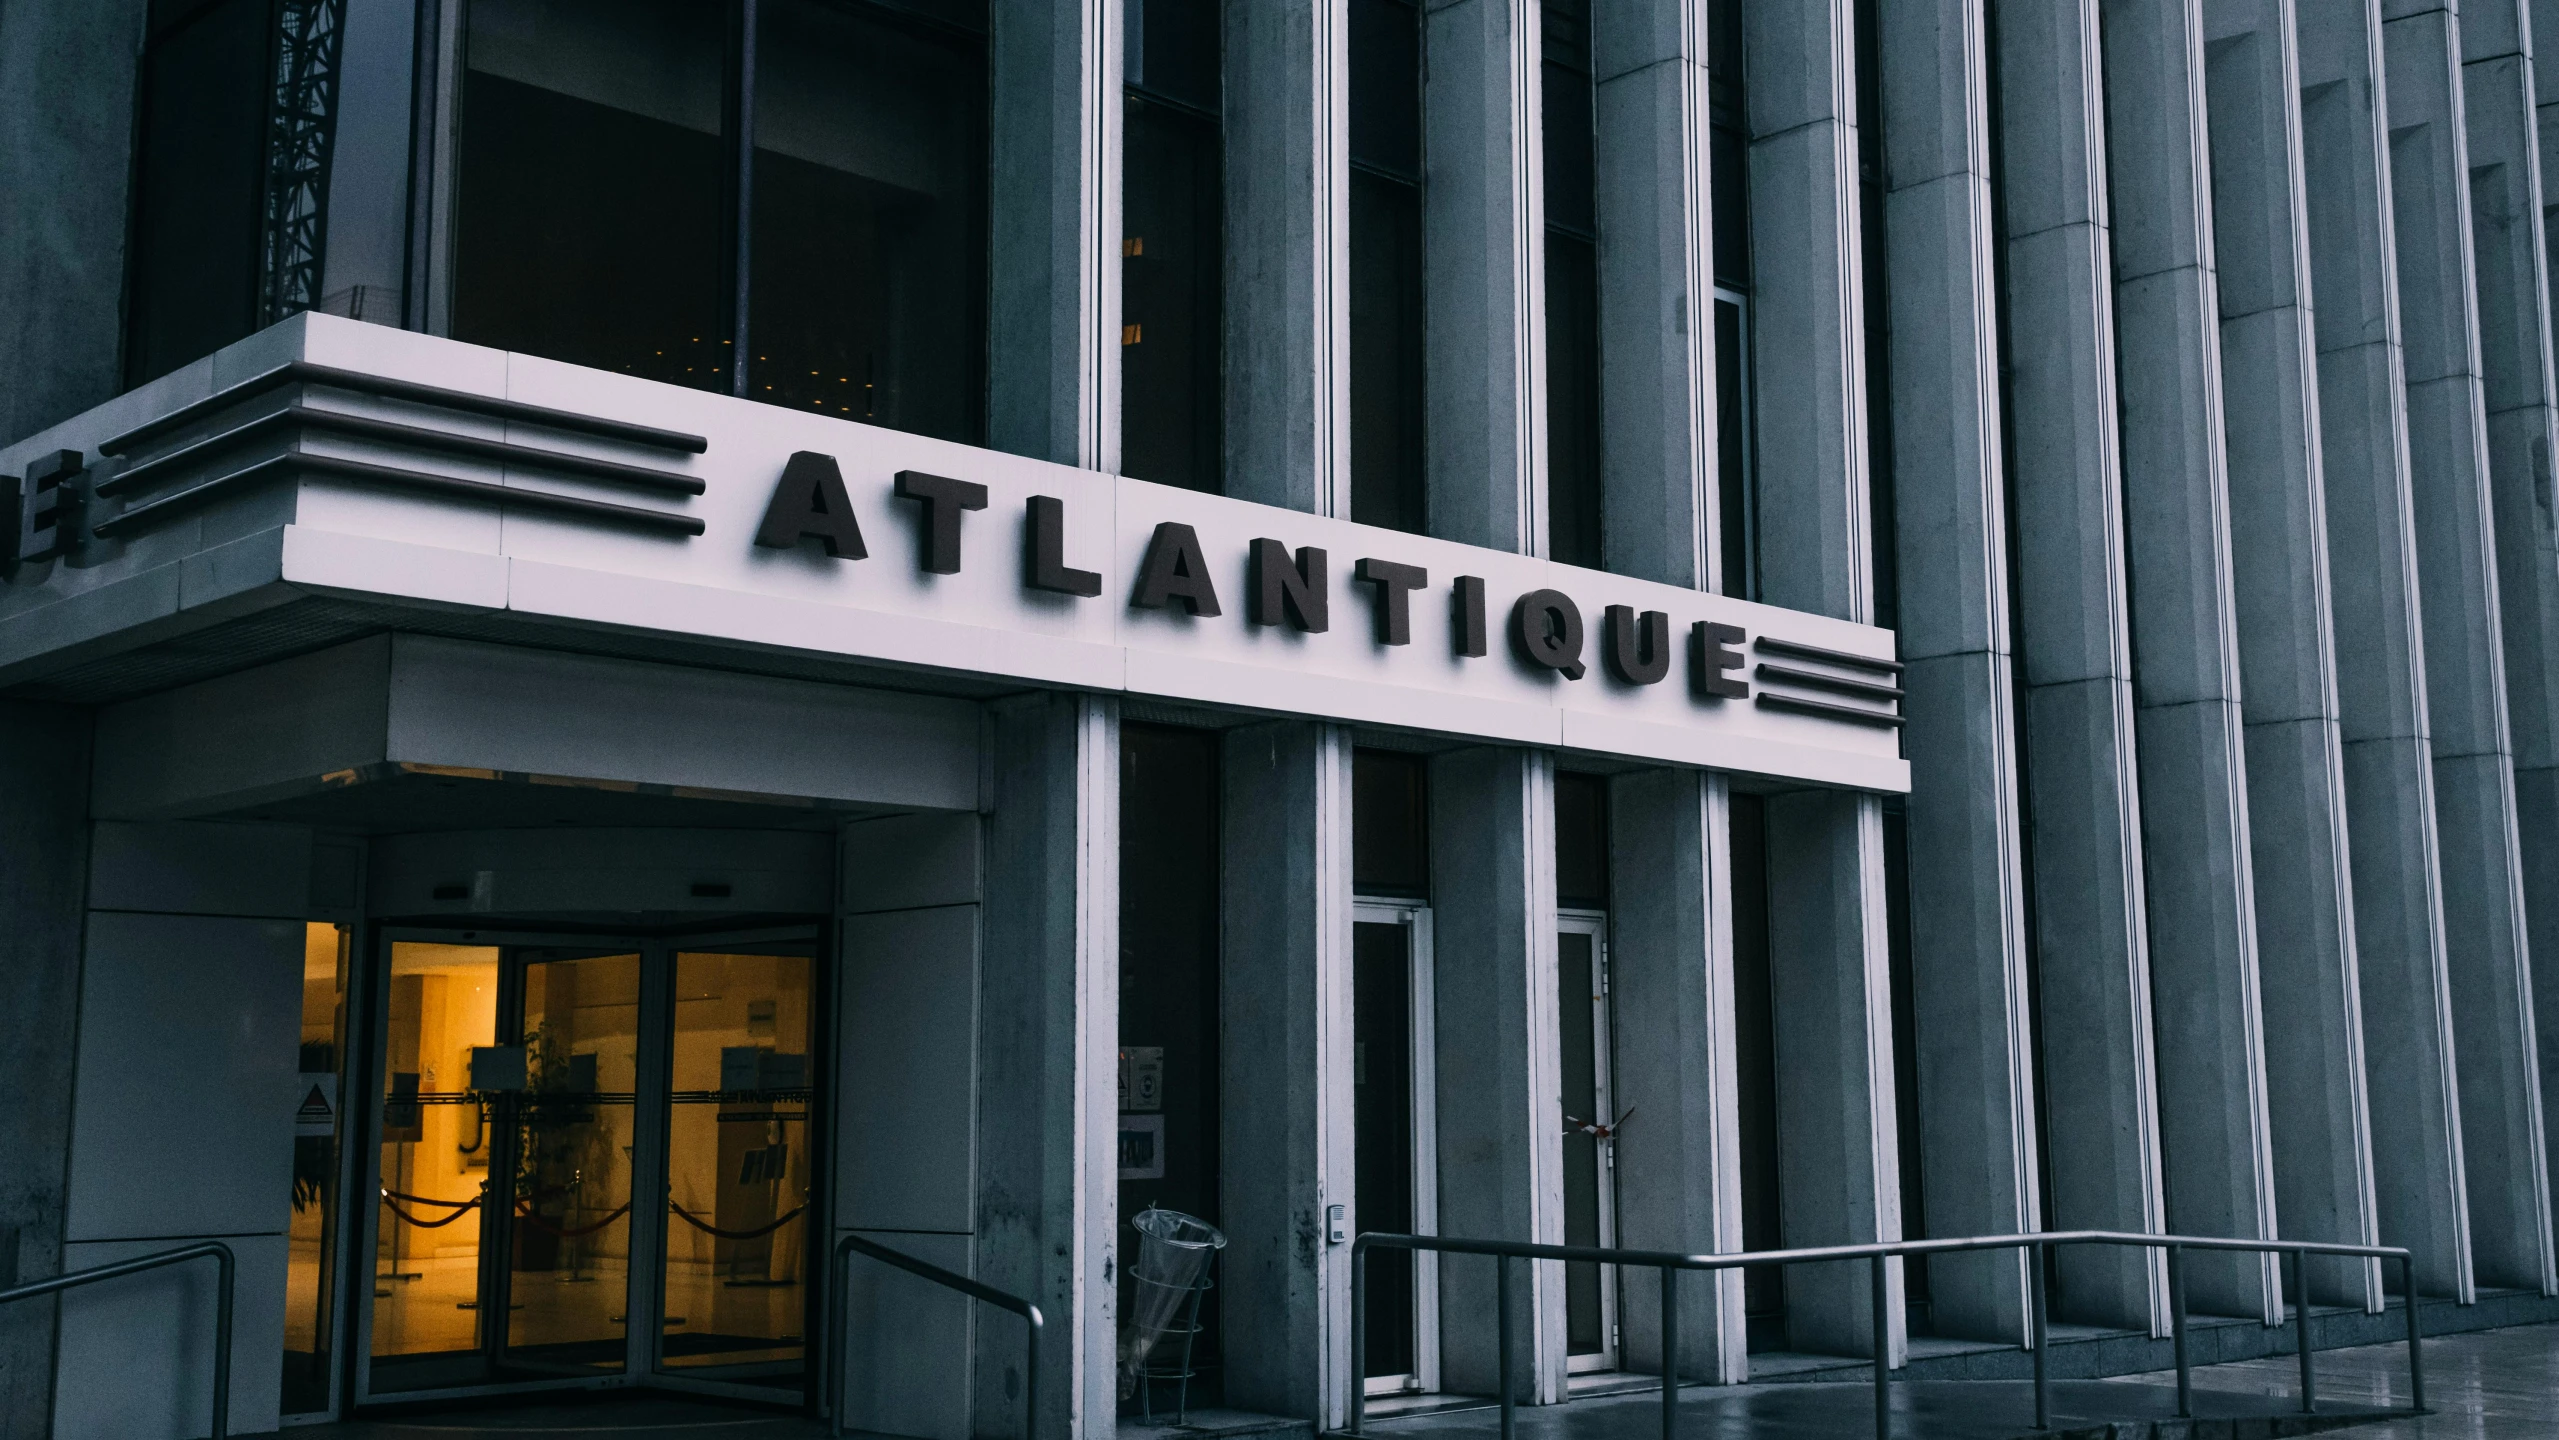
(1594, 924)
(1415, 917)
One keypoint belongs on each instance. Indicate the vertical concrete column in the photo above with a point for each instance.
(1656, 293)
(1053, 260)
(1671, 967)
(2195, 845)
(1287, 253)
(44, 814)
(2092, 948)
(67, 150)
(1048, 1082)
(1831, 991)
(1808, 353)
(2414, 1101)
(2315, 1098)
(1483, 269)
(1967, 886)
(2484, 927)
(2506, 219)
(1501, 1116)
(1285, 1150)
(1835, 1120)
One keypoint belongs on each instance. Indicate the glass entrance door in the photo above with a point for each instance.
(591, 1165)
(738, 1173)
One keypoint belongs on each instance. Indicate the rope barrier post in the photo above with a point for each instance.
(1881, 1304)
(2035, 1257)
(2177, 1330)
(1359, 1335)
(2416, 1355)
(1670, 1352)
(2301, 1317)
(1502, 1369)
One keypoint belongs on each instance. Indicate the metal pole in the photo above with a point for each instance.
(2416, 1354)
(2043, 1379)
(1883, 1347)
(222, 1343)
(2177, 1328)
(1031, 1376)
(834, 1360)
(1502, 1370)
(1670, 1352)
(2301, 1319)
(1359, 1334)
(741, 277)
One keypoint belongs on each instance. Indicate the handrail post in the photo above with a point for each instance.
(2035, 1257)
(2177, 1329)
(2416, 1355)
(1359, 1334)
(222, 1263)
(2301, 1319)
(1881, 1303)
(1031, 1376)
(1670, 1352)
(1502, 1365)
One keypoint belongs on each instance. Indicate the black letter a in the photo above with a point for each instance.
(810, 501)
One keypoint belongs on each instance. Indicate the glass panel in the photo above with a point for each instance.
(1581, 840)
(1387, 363)
(1755, 1056)
(1573, 523)
(594, 222)
(1382, 1145)
(569, 1250)
(1738, 503)
(1172, 337)
(1576, 1002)
(869, 225)
(197, 181)
(443, 1002)
(311, 1236)
(1390, 824)
(738, 1167)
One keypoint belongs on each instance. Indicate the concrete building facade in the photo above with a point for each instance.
(640, 635)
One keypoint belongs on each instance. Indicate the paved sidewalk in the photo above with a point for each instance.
(2485, 1385)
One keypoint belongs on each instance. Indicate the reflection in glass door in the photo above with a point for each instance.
(738, 1175)
(440, 1006)
(1591, 1118)
(1395, 1153)
(573, 1078)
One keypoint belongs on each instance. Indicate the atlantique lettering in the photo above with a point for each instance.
(945, 501)
(810, 504)
(1283, 587)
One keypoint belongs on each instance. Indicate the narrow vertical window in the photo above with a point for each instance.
(868, 206)
(1728, 158)
(198, 230)
(1572, 288)
(590, 212)
(1881, 528)
(1172, 244)
(1386, 263)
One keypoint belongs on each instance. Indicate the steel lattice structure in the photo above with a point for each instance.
(301, 132)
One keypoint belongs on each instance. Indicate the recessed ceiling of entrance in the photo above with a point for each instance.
(406, 799)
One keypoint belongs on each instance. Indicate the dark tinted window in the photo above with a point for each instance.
(1572, 290)
(198, 183)
(1172, 336)
(870, 256)
(1390, 824)
(601, 189)
(1581, 841)
(1387, 358)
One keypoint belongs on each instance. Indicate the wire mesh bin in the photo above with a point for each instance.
(1172, 1273)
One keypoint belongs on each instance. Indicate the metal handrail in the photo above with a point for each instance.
(949, 1279)
(223, 1267)
(1670, 1264)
